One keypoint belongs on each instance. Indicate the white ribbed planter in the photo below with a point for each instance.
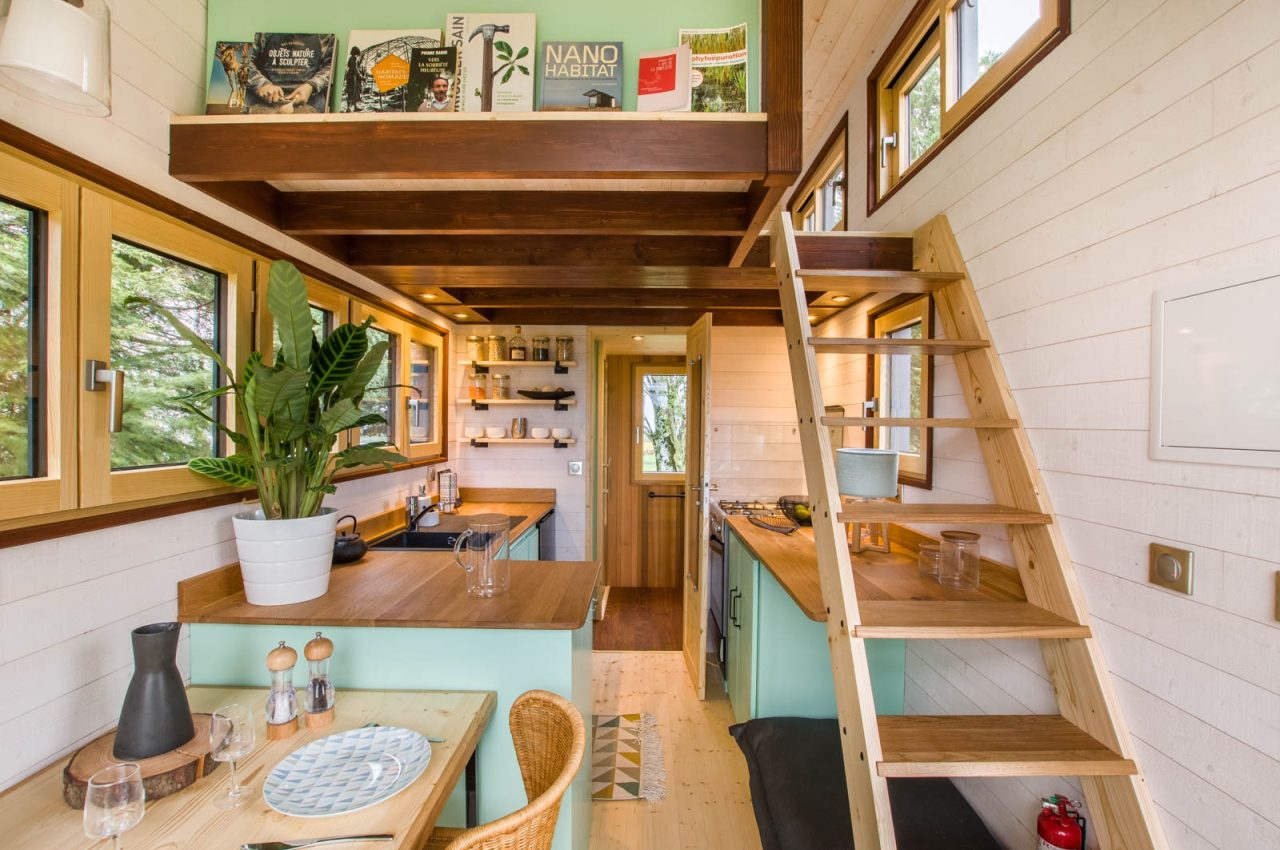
(283, 561)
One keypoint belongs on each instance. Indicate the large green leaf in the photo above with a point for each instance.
(287, 300)
(281, 393)
(185, 332)
(234, 470)
(367, 456)
(338, 358)
(341, 416)
(364, 373)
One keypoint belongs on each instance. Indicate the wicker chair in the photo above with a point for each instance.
(550, 741)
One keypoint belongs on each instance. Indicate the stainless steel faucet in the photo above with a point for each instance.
(414, 508)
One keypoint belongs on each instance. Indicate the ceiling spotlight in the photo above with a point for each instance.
(813, 318)
(841, 299)
(637, 338)
(459, 315)
(429, 296)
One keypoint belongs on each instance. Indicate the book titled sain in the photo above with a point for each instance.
(496, 59)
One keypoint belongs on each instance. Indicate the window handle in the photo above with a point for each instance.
(887, 142)
(97, 376)
(871, 407)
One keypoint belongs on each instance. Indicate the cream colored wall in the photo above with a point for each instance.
(1140, 154)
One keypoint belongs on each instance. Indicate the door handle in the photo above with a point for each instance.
(734, 596)
(98, 377)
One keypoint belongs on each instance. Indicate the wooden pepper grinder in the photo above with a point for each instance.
(282, 704)
(320, 693)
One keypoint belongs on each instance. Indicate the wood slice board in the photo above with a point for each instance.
(161, 775)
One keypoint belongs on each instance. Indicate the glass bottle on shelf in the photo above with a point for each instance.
(478, 386)
(282, 703)
(501, 386)
(564, 349)
(542, 348)
(320, 692)
(476, 349)
(497, 347)
(519, 349)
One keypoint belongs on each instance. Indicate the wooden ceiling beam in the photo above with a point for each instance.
(570, 277)
(540, 250)
(670, 317)
(329, 147)
(643, 299)
(484, 213)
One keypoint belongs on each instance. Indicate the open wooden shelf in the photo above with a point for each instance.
(904, 422)
(968, 620)
(928, 512)
(517, 363)
(993, 745)
(873, 345)
(517, 402)
(481, 442)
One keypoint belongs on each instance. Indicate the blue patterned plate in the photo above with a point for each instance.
(346, 772)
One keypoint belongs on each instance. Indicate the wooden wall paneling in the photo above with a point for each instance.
(622, 547)
(514, 213)
(663, 535)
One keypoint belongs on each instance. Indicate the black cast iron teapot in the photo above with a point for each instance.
(348, 548)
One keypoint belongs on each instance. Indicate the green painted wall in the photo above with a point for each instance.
(650, 25)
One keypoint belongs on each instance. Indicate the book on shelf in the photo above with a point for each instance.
(719, 75)
(662, 80)
(290, 73)
(580, 76)
(228, 78)
(495, 57)
(433, 80)
(376, 69)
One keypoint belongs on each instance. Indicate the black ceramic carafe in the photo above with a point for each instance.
(156, 717)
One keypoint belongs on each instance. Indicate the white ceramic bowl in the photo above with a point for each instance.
(472, 431)
(539, 433)
(495, 432)
(561, 433)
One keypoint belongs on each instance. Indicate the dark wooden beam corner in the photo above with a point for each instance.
(611, 297)
(670, 317)
(539, 251)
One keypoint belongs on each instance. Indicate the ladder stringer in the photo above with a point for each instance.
(1121, 807)
(859, 733)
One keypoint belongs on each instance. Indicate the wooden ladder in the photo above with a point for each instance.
(1088, 737)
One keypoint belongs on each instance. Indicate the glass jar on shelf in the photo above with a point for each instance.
(478, 386)
(519, 349)
(497, 348)
(542, 348)
(502, 386)
(929, 560)
(476, 349)
(961, 555)
(564, 349)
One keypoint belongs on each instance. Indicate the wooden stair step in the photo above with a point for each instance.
(865, 281)
(877, 345)
(929, 512)
(968, 620)
(994, 745)
(916, 422)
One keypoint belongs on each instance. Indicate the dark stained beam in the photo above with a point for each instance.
(260, 200)
(762, 199)
(539, 250)
(782, 25)
(516, 213)
(631, 146)
(848, 251)
(643, 299)
(570, 277)
(650, 318)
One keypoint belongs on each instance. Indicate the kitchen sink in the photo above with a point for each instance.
(438, 538)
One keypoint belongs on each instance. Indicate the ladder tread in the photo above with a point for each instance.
(882, 345)
(866, 281)
(914, 422)
(962, 620)
(931, 512)
(993, 745)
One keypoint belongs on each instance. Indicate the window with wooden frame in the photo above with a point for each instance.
(950, 61)
(819, 205)
(385, 393)
(38, 224)
(900, 386)
(660, 411)
(424, 392)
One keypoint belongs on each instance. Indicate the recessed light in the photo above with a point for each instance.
(637, 338)
(430, 296)
(813, 318)
(841, 299)
(459, 315)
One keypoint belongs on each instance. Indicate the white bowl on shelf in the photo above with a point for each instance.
(472, 431)
(495, 432)
(561, 433)
(539, 433)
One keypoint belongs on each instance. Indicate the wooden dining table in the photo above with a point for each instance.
(33, 815)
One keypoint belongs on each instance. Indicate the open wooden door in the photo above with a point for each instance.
(697, 498)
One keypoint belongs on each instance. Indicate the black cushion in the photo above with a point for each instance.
(798, 793)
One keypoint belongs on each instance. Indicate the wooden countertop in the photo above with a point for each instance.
(879, 576)
(413, 590)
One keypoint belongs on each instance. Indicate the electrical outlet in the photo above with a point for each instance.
(1171, 568)
(575, 467)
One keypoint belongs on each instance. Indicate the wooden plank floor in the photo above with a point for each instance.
(708, 801)
(641, 618)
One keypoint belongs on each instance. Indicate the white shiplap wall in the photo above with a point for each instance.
(67, 606)
(1141, 154)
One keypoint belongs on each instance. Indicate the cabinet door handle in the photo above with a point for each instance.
(734, 596)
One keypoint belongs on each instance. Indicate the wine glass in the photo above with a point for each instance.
(114, 802)
(231, 739)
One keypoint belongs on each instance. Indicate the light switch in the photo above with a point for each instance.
(1171, 568)
(575, 467)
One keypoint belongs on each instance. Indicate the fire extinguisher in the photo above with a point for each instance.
(1060, 825)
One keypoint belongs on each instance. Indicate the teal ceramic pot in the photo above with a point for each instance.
(867, 473)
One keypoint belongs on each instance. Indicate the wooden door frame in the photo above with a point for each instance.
(697, 492)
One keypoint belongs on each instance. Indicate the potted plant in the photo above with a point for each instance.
(288, 415)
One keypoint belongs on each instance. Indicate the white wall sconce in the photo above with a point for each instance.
(59, 52)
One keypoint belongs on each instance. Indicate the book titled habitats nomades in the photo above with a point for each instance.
(719, 76)
(580, 76)
(376, 68)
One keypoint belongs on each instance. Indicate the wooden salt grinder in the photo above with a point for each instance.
(320, 693)
(280, 661)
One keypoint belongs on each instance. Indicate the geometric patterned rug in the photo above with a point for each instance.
(626, 758)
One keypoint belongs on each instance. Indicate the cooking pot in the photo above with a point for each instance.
(348, 548)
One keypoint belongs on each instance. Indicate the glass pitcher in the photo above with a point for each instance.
(486, 557)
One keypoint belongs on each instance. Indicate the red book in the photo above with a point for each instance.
(662, 81)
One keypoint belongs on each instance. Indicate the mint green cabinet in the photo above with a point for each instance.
(525, 547)
(778, 660)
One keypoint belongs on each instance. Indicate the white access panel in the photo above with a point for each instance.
(1215, 378)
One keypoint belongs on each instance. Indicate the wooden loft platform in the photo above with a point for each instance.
(593, 218)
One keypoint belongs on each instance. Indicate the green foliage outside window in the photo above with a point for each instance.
(924, 112)
(665, 411)
(16, 320)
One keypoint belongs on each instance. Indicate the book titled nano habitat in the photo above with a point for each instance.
(580, 76)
